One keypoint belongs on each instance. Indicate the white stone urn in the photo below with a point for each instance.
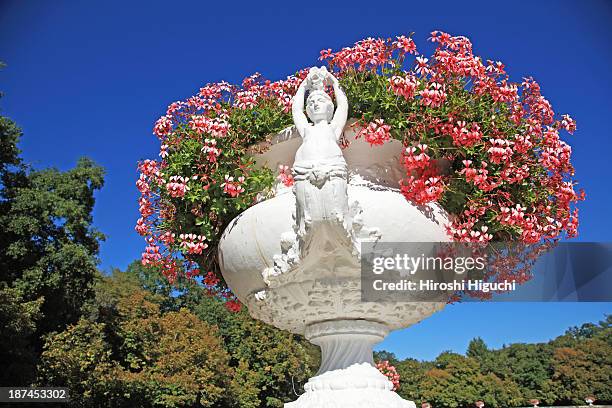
(309, 282)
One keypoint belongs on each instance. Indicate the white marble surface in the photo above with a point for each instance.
(294, 259)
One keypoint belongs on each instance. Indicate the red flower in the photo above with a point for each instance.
(376, 133)
(405, 44)
(233, 306)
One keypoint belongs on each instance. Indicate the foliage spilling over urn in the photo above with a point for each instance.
(485, 148)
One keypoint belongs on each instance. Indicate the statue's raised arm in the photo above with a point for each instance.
(341, 113)
(319, 106)
(297, 109)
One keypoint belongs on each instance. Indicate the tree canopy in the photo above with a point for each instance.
(48, 251)
(561, 372)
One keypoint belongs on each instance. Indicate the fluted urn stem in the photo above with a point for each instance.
(345, 342)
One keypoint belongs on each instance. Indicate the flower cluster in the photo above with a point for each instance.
(285, 176)
(375, 133)
(404, 85)
(192, 243)
(488, 150)
(177, 186)
(231, 187)
(464, 136)
(477, 143)
(434, 95)
(390, 372)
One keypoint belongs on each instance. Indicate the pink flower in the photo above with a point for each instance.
(522, 143)
(404, 86)
(390, 372)
(173, 108)
(513, 174)
(414, 161)
(211, 150)
(285, 176)
(421, 190)
(177, 186)
(231, 187)
(163, 151)
(405, 44)
(422, 67)
(367, 53)
(144, 207)
(205, 125)
(506, 93)
(151, 254)
(499, 151)
(466, 232)
(149, 168)
(163, 126)
(376, 133)
(440, 37)
(462, 136)
(568, 124)
(142, 184)
(192, 243)
(434, 95)
(141, 228)
(325, 54)
(167, 238)
(469, 172)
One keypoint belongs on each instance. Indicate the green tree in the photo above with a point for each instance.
(136, 355)
(457, 381)
(384, 355)
(412, 374)
(477, 349)
(48, 248)
(271, 365)
(582, 371)
(18, 322)
(275, 362)
(527, 365)
(263, 364)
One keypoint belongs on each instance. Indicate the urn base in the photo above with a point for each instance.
(347, 377)
(357, 386)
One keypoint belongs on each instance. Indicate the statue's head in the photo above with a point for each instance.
(319, 106)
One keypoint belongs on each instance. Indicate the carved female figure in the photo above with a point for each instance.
(320, 170)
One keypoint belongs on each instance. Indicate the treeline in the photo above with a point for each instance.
(172, 347)
(563, 371)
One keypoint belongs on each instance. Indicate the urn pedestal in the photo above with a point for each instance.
(310, 283)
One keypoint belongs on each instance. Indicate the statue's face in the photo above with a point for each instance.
(319, 107)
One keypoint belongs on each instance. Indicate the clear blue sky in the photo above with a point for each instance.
(87, 78)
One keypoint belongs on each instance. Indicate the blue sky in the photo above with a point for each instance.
(90, 79)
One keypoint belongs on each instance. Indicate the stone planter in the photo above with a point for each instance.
(315, 290)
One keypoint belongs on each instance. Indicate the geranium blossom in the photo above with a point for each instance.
(434, 95)
(414, 161)
(390, 372)
(285, 176)
(192, 243)
(405, 44)
(177, 186)
(231, 187)
(404, 85)
(464, 136)
(163, 126)
(376, 133)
